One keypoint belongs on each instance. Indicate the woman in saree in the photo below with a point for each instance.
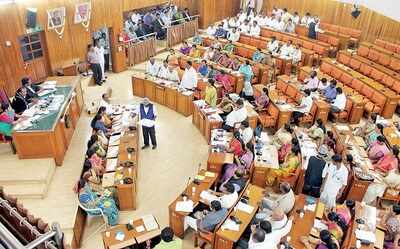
(242, 162)
(287, 168)
(91, 200)
(236, 145)
(336, 226)
(224, 60)
(172, 58)
(185, 49)
(391, 223)
(226, 106)
(225, 81)
(330, 141)
(6, 122)
(283, 136)
(96, 161)
(95, 144)
(388, 162)
(286, 148)
(235, 64)
(326, 241)
(378, 187)
(346, 211)
(377, 149)
(317, 131)
(247, 71)
(229, 47)
(374, 134)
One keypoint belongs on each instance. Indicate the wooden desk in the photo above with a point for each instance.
(132, 237)
(54, 131)
(367, 214)
(217, 159)
(302, 226)
(204, 122)
(176, 219)
(163, 94)
(391, 135)
(225, 239)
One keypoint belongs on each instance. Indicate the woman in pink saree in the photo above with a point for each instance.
(377, 149)
(243, 162)
(388, 162)
(226, 83)
(224, 60)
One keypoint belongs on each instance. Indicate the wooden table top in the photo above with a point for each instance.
(391, 136)
(204, 185)
(255, 195)
(302, 226)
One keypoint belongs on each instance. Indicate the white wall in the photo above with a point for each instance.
(389, 8)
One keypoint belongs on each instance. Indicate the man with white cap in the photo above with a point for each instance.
(147, 116)
(313, 175)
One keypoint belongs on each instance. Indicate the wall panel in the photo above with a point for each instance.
(372, 24)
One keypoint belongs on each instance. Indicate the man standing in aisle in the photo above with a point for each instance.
(100, 54)
(147, 114)
(94, 61)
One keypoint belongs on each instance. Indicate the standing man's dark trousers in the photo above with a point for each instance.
(149, 132)
(97, 75)
(106, 62)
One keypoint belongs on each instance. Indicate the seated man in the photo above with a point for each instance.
(245, 27)
(227, 197)
(207, 220)
(303, 108)
(286, 51)
(330, 91)
(237, 180)
(173, 74)
(255, 29)
(296, 54)
(32, 90)
(258, 56)
(203, 68)
(168, 240)
(238, 115)
(338, 104)
(273, 45)
(229, 47)
(163, 70)
(152, 67)
(246, 132)
(234, 35)
(220, 32)
(284, 200)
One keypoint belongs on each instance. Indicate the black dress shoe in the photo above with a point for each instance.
(144, 147)
(154, 147)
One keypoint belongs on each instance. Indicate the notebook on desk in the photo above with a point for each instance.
(149, 222)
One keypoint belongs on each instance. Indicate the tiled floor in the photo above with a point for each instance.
(163, 173)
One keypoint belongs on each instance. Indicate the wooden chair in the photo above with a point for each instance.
(292, 179)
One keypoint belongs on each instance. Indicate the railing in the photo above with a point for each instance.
(180, 32)
(140, 49)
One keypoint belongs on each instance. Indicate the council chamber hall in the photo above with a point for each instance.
(220, 124)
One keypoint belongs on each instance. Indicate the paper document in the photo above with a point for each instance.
(140, 229)
(184, 206)
(149, 222)
(111, 164)
(230, 225)
(108, 179)
(365, 235)
(244, 207)
(205, 195)
(209, 174)
(319, 225)
(112, 151)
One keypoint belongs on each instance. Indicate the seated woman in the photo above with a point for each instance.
(330, 141)
(286, 148)
(185, 49)
(172, 58)
(96, 161)
(369, 126)
(224, 60)
(96, 145)
(391, 223)
(258, 56)
(229, 47)
(217, 55)
(208, 54)
(317, 131)
(374, 134)
(242, 162)
(195, 52)
(91, 200)
(212, 73)
(346, 211)
(98, 123)
(261, 102)
(336, 226)
(225, 81)
(377, 149)
(325, 241)
(377, 189)
(287, 168)
(6, 122)
(106, 119)
(235, 64)
(283, 136)
(103, 140)
(236, 145)
(388, 162)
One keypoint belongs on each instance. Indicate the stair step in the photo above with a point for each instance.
(27, 191)
(27, 171)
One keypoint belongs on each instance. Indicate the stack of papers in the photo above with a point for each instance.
(319, 225)
(111, 164)
(365, 235)
(108, 179)
(244, 207)
(112, 151)
(230, 225)
(149, 222)
(114, 140)
(184, 206)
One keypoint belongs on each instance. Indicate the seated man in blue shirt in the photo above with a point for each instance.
(220, 32)
(212, 218)
(330, 92)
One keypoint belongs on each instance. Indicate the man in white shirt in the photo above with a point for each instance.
(338, 104)
(148, 114)
(273, 45)
(286, 51)
(246, 132)
(152, 67)
(238, 115)
(296, 18)
(296, 55)
(234, 35)
(233, 22)
(284, 201)
(304, 107)
(99, 50)
(227, 198)
(285, 16)
(245, 27)
(305, 21)
(290, 27)
(241, 16)
(105, 101)
(189, 78)
(135, 17)
(163, 70)
(277, 12)
(335, 179)
(173, 74)
(211, 30)
(280, 27)
(255, 29)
